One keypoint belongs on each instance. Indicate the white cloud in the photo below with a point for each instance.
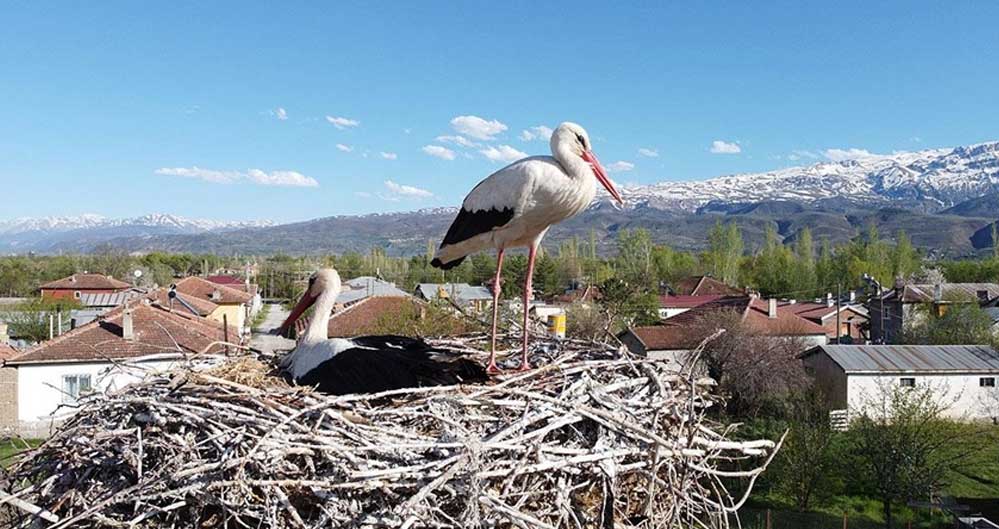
(440, 152)
(208, 175)
(724, 147)
(457, 140)
(620, 166)
(540, 132)
(389, 155)
(839, 155)
(477, 127)
(341, 122)
(648, 153)
(281, 178)
(503, 153)
(257, 176)
(407, 191)
(281, 113)
(344, 148)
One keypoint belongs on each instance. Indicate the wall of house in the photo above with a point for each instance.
(8, 401)
(236, 315)
(829, 378)
(39, 389)
(850, 325)
(962, 393)
(632, 343)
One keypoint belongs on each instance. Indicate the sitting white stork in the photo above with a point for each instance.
(515, 206)
(365, 364)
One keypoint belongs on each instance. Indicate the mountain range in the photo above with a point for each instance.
(945, 199)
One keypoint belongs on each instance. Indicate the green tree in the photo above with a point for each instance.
(906, 449)
(725, 248)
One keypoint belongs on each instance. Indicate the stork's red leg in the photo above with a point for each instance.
(497, 288)
(528, 286)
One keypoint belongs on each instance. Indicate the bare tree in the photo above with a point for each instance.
(752, 369)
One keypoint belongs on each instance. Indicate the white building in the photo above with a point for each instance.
(104, 355)
(963, 375)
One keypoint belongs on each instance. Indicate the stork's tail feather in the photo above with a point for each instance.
(437, 263)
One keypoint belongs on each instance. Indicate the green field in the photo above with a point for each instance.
(11, 447)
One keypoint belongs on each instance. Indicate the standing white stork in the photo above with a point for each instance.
(515, 206)
(365, 364)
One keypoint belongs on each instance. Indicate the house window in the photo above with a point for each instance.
(76, 294)
(74, 386)
(987, 382)
(907, 382)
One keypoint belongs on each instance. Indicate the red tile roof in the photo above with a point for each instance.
(86, 282)
(685, 302)
(7, 352)
(156, 331)
(704, 286)
(225, 280)
(681, 331)
(362, 317)
(204, 289)
(161, 296)
(815, 311)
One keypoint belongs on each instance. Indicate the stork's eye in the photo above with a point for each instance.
(312, 281)
(581, 140)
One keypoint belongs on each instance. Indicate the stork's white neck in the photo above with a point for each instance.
(318, 329)
(572, 162)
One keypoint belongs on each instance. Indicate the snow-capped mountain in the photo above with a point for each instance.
(936, 178)
(93, 221)
(50, 233)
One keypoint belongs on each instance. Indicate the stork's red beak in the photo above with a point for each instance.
(303, 305)
(601, 175)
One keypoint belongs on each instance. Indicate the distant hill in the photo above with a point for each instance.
(945, 199)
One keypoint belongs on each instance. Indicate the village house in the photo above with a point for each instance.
(371, 315)
(673, 339)
(703, 286)
(671, 305)
(853, 319)
(906, 305)
(256, 301)
(963, 376)
(582, 294)
(233, 306)
(462, 295)
(121, 347)
(364, 287)
(76, 285)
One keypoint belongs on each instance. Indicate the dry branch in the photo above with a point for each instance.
(592, 439)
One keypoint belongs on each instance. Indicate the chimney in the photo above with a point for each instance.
(829, 300)
(4, 337)
(853, 296)
(127, 330)
(772, 308)
(937, 292)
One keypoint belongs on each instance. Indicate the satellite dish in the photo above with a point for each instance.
(137, 274)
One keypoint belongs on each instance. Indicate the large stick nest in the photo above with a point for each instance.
(591, 439)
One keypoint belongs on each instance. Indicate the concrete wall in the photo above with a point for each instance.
(40, 398)
(8, 401)
(963, 395)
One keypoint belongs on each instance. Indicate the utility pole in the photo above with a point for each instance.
(839, 309)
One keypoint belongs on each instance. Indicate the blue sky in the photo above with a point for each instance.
(127, 108)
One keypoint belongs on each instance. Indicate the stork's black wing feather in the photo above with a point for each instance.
(362, 370)
(468, 224)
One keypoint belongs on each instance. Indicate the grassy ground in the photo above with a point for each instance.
(11, 447)
(976, 485)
